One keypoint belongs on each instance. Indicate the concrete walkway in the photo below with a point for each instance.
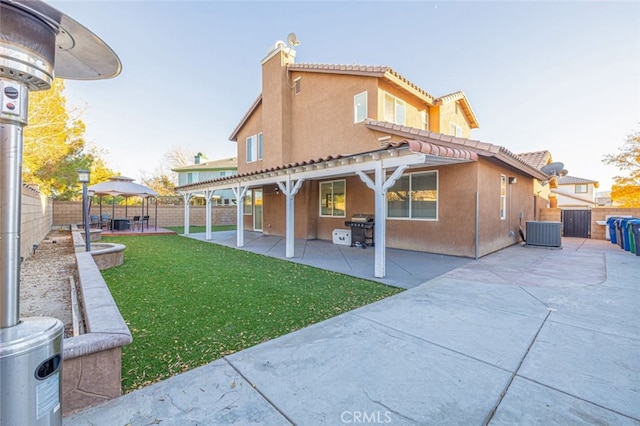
(522, 336)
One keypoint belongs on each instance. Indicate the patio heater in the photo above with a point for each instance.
(36, 43)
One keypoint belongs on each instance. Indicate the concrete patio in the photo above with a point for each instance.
(522, 336)
(405, 269)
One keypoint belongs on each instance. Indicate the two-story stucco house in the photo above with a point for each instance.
(323, 143)
(575, 193)
(210, 170)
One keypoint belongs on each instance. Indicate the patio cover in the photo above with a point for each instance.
(125, 187)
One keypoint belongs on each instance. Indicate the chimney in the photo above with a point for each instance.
(196, 159)
(277, 96)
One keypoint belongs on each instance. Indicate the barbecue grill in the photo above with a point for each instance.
(361, 225)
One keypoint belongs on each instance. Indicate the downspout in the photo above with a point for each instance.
(477, 233)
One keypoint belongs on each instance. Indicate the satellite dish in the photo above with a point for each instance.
(292, 39)
(552, 169)
(563, 172)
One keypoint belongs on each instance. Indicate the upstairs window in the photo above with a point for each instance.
(192, 177)
(394, 109)
(360, 107)
(581, 188)
(425, 120)
(254, 148)
(296, 85)
(456, 130)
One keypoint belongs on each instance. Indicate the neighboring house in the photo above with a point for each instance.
(323, 143)
(574, 193)
(210, 170)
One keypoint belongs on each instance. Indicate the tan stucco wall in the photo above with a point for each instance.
(496, 233)
(454, 231)
(452, 113)
(319, 121)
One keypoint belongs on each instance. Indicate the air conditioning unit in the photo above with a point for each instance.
(544, 234)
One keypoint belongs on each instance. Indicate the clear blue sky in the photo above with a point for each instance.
(562, 76)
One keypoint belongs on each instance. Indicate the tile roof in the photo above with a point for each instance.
(536, 159)
(572, 180)
(481, 148)
(416, 146)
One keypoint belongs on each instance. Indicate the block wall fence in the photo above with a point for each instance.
(597, 214)
(68, 212)
(35, 221)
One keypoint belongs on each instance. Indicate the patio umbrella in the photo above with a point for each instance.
(125, 187)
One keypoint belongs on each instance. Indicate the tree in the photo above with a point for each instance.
(626, 189)
(163, 179)
(55, 148)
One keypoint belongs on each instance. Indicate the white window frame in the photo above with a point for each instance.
(579, 185)
(456, 130)
(254, 148)
(332, 182)
(248, 203)
(360, 107)
(410, 213)
(503, 197)
(251, 148)
(424, 115)
(398, 104)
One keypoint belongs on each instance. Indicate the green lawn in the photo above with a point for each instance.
(189, 302)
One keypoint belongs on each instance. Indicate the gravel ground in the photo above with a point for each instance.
(45, 280)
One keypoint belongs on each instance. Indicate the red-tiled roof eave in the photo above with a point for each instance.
(415, 146)
(481, 148)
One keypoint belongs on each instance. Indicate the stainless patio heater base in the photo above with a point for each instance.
(36, 40)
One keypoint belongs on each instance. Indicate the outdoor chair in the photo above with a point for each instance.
(93, 221)
(105, 221)
(145, 219)
(134, 223)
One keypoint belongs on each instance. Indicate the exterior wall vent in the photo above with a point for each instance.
(545, 234)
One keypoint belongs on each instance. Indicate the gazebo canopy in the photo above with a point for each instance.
(123, 186)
